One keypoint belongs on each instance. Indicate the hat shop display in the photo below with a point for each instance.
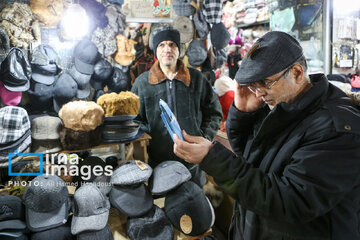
(64, 95)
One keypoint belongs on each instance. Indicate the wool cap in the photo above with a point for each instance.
(168, 34)
(270, 54)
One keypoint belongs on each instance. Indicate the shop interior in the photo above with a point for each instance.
(66, 74)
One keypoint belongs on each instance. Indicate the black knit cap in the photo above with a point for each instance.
(168, 34)
(270, 54)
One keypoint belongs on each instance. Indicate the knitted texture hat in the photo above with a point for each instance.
(167, 34)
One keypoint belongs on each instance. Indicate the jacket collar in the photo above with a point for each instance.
(156, 75)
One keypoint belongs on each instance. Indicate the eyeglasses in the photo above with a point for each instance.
(267, 84)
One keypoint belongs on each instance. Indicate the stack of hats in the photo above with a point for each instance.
(45, 133)
(82, 120)
(91, 213)
(15, 133)
(85, 57)
(15, 74)
(12, 218)
(129, 193)
(186, 205)
(47, 204)
(120, 111)
(45, 67)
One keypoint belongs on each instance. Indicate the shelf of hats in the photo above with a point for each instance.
(73, 155)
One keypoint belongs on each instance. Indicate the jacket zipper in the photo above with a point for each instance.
(170, 84)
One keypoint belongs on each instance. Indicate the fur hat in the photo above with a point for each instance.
(71, 140)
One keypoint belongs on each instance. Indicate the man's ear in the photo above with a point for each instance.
(298, 72)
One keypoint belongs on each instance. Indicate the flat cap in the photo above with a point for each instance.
(270, 54)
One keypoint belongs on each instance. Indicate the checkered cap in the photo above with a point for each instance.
(183, 7)
(131, 172)
(14, 122)
(212, 10)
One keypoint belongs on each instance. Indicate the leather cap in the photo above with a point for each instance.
(16, 71)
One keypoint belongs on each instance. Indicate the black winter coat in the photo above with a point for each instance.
(296, 172)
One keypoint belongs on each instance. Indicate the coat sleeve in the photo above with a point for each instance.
(211, 112)
(141, 117)
(239, 126)
(318, 175)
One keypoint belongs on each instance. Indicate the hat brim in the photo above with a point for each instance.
(22, 88)
(40, 221)
(103, 234)
(90, 223)
(44, 79)
(12, 224)
(20, 145)
(162, 183)
(84, 68)
(133, 201)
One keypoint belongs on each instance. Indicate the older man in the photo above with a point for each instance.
(295, 173)
(187, 92)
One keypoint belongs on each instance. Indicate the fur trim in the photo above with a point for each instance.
(156, 75)
(76, 140)
(354, 96)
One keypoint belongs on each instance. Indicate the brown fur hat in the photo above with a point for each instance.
(76, 140)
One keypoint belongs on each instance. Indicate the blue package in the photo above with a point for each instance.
(169, 120)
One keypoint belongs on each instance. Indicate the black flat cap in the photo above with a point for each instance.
(270, 54)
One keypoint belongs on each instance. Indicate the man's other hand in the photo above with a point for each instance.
(193, 149)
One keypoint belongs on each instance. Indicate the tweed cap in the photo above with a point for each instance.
(132, 200)
(14, 123)
(196, 53)
(131, 172)
(47, 203)
(201, 25)
(212, 10)
(270, 54)
(219, 36)
(183, 7)
(91, 209)
(167, 176)
(152, 226)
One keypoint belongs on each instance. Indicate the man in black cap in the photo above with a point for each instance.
(187, 92)
(296, 138)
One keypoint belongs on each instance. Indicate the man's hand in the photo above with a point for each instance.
(245, 100)
(193, 149)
